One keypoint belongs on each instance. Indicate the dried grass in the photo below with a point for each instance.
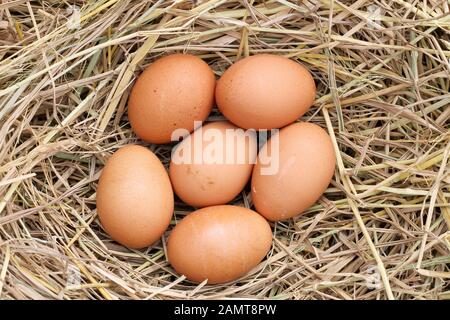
(383, 95)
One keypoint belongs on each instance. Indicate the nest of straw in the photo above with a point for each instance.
(380, 231)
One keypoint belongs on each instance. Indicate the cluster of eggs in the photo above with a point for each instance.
(217, 242)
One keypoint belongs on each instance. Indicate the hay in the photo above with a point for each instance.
(382, 69)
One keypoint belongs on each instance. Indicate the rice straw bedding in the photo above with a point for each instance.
(380, 231)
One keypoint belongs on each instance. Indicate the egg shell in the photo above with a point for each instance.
(220, 178)
(219, 243)
(306, 162)
(134, 197)
(171, 93)
(265, 92)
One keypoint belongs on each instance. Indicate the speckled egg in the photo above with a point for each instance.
(213, 164)
(172, 93)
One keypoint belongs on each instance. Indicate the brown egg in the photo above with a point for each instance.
(213, 164)
(220, 243)
(265, 92)
(289, 181)
(134, 197)
(171, 93)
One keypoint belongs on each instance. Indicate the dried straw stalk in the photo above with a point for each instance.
(382, 69)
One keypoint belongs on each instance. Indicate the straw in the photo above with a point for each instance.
(381, 229)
